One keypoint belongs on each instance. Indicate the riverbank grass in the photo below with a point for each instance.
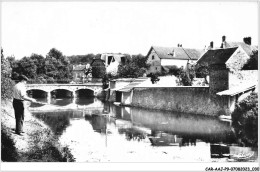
(38, 144)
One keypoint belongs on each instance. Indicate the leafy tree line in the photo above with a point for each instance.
(133, 67)
(82, 59)
(54, 67)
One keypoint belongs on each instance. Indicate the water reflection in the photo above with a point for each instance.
(91, 123)
(58, 123)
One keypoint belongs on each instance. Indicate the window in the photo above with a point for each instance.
(109, 59)
(155, 68)
(123, 60)
(152, 57)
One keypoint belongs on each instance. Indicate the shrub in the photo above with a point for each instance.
(8, 150)
(245, 118)
(6, 82)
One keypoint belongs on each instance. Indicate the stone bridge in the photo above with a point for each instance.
(73, 88)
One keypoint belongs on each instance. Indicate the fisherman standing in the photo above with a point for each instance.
(19, 95)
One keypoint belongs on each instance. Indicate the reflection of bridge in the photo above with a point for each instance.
(48, 88)
(93, 108)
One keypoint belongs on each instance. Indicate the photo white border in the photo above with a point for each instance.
(72, 166)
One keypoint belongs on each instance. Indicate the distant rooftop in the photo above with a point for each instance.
(217, 56)
(247, 48)
(176, 53)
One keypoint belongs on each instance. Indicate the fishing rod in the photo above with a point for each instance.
(43, 103)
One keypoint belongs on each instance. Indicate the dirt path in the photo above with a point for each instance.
(38, 142)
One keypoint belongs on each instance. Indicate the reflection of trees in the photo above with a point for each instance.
(99, 123)
(164, 138)
(86, 101)
(186, 141)
(160, 138)
(58, 122)
(132, 134)
(85, 93)
(219, 150)
(63, 102)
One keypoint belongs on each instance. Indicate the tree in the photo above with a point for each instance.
(174, 70)
(82, 59)
(133, 67)
(202, 71)
(39, 61)
(6, 82)
(98, 69)
(27, 67)
(154, 78)
(140, 61)
(245, 120)
(186, 77)
(57, 66)
(56, 54)
(252, 63)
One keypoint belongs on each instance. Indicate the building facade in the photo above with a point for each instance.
(78, 73)
(160, 58)
(112, 60)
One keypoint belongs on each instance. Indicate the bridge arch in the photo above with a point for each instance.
(41, 89)
(85, 92)
(39, 93)
(61, 92)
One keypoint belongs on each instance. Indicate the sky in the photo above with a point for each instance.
(78, 28)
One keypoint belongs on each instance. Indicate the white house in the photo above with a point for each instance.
(112, 60)
(160, 58)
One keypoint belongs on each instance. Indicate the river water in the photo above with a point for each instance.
(103, 132)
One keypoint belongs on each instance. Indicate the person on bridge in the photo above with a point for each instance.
(19, 96)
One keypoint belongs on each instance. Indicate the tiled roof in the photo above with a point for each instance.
(247, 48)
(180, 53)
(236, 90)
(217, 56)
(130, 86)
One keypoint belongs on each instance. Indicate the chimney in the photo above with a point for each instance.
(211, 44)
(247, 40)
(223, 44)
(223, 38)
(172, 53)
(180, 45)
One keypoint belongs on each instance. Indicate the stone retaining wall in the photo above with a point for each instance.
(181, 99)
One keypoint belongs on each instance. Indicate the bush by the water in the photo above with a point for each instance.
(45, 149)
(245, 120)
(6, 82)
(8, 150)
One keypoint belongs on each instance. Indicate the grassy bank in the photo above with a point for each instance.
(38, 144)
